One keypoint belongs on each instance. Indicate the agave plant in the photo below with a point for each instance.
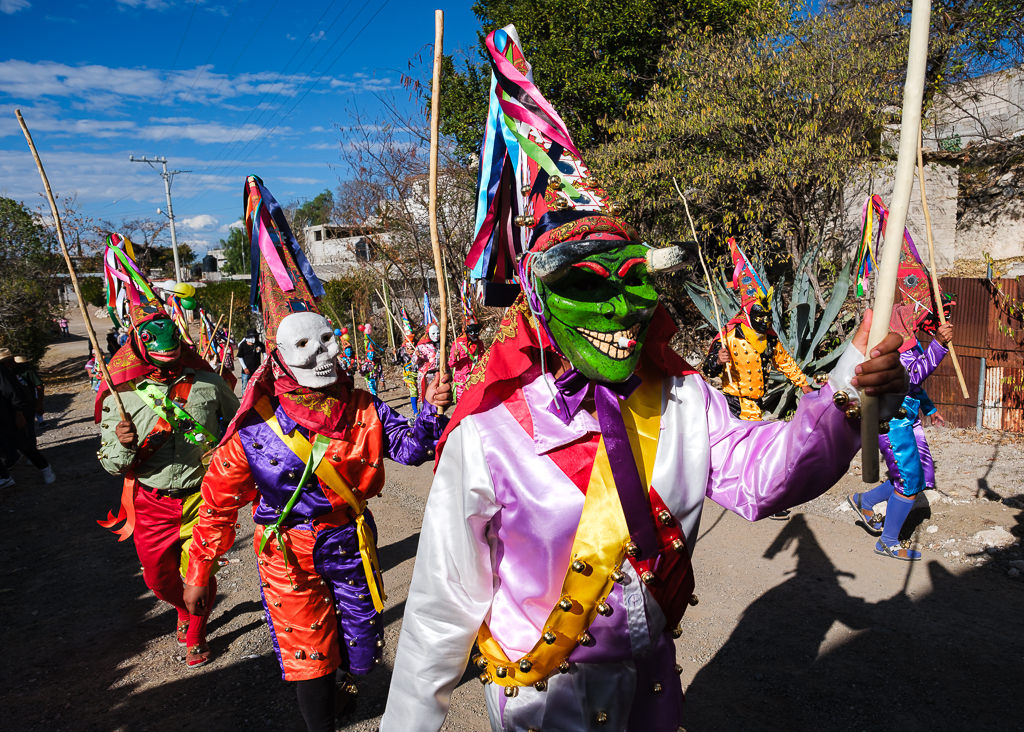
(805, 329)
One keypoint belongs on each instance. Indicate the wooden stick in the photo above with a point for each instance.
(213, 337)
(435, 240)
(885, 284)
(71, 271)
(227, 340)
(355, 333)
(933, 272)
(707, 278)
(387, 310)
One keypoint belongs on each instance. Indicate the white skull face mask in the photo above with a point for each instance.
(308, 347)
(434, 333)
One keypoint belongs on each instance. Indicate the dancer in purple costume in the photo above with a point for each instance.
(906, 452)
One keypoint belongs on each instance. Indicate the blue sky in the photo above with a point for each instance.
(221, 88)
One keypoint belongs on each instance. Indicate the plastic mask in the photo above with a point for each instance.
(308, 347)
(598, 312)
(161, 340)
(434, 333)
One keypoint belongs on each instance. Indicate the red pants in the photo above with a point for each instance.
(163, 533)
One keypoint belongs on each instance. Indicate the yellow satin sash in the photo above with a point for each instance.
(302, 449)
(598, 550)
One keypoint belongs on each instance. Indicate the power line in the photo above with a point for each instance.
(310, 87)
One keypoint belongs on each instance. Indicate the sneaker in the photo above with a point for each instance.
(7, 483)
(872, 520)
(897, 551)
(48, 476)
(781, 515)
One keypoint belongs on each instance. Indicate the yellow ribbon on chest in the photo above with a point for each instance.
(598, 551)
(302, 449)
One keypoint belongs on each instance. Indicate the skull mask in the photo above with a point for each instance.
(308, 348)
(434, 333)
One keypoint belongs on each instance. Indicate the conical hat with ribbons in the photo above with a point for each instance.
(282, 281)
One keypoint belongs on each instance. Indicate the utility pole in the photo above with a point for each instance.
(167, 175)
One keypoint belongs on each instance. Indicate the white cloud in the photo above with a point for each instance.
(318, 36)
(202, 222)
(10, 7)
(145, 4)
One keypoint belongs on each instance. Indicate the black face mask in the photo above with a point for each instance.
(759, 319)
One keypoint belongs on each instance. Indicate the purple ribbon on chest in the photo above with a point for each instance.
(572, 389)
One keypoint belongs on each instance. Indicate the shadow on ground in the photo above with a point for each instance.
(944, 661)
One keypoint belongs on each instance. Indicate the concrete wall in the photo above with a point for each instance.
(987, 109)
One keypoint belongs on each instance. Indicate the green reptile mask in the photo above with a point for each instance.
(162, 341)
(599, 310)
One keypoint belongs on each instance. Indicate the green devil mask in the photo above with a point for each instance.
(598, 311)
(162, 341)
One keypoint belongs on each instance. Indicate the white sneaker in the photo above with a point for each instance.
(7, 483)
(48, 476)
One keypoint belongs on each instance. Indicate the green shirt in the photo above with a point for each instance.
(177, 463)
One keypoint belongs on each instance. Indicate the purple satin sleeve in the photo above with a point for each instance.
(410, 445)
(760, 468)
(920, 364)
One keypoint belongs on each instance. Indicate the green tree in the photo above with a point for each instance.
(28, 288)
(761, 125)
(314, 212)
(236, 252)
(215, 298)
(591, 59)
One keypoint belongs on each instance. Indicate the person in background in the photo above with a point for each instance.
(112, 342)
(29, 377)
(17, 407)
(250, 353)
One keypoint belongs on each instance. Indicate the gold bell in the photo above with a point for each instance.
(693, 600)
(656, 689)
(549, 637)
(578, 566)
(601, 717)
(501, 672)
(679, 670)
(555, 182)
(480, 661)
(679, 545)
(541, 686)
(524, 221)
(525, 190)
(586, 639)
(901, 413)
(351, 689)
(841, 399)
(853, 411)
(665, 517)
(563, 667)
(617, 576)
(603, 608)
(525, 666)
(484, 679)
(565, 604)
(677, 632)
(883, 427)
(511, 691)
(632, 549)
(648, 577)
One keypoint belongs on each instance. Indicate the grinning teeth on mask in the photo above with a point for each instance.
(617, 344)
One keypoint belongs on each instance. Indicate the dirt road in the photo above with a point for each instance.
(799, 626)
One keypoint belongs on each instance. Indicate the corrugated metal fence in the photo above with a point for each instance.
(989, 340)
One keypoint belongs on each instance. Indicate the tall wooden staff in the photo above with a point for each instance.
(213, 335)
(355, 332)
(932, 271)
(435, 240)
(71, 271)
(227, 339)
(707, 277)
(885, 289)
